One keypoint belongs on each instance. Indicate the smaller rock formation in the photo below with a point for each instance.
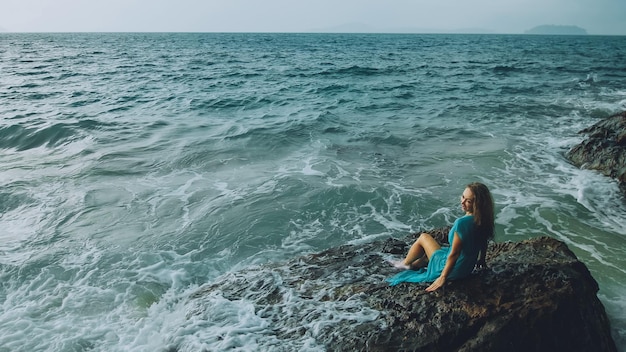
(604, 149)
(535, 295)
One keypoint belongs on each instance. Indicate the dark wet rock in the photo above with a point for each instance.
(604, 149)
(535, 295)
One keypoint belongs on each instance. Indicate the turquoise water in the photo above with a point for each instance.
(135, 168)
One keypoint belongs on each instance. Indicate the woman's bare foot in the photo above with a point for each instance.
(399, 264)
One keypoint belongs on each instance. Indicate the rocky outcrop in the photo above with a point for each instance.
(604, 149)
(535, 295)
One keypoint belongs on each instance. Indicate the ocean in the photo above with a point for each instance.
(135, 168)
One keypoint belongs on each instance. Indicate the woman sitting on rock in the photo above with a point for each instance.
(468, 238)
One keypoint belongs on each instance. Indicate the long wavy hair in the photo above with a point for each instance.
(483, 209)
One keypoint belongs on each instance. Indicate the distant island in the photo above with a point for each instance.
(558, 30)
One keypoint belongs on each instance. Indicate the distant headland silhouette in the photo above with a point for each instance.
(554, 29)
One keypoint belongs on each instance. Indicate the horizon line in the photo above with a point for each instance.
(308, 32)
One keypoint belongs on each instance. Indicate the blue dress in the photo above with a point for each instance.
(464, 265)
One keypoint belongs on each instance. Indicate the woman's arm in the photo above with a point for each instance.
(455, 252)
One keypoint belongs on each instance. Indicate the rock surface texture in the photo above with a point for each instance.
(604, 149)
(535, 295)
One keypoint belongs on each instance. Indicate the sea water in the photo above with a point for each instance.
(136, 168)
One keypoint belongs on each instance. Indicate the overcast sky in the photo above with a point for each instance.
(498, 16)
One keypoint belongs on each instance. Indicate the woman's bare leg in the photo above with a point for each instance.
(419, 263)
(420, 252)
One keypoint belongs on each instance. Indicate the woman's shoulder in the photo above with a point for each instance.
(464, 223)
(466, 219)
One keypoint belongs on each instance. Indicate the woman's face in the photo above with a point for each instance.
(467, 201)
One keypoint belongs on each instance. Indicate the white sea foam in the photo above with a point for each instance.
(293, 322)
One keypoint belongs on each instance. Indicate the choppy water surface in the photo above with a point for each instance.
(135, 168)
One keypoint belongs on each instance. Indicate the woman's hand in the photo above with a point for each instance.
(436, 284)
(453, 255)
